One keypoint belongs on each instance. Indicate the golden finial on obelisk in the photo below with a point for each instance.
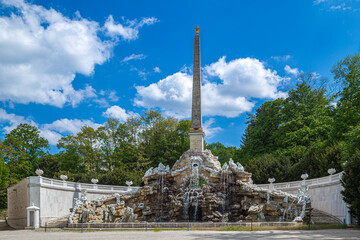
(197, 30)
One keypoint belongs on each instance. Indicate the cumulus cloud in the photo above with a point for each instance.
(209, 130)
(292, 71)
(12, 120)
(172, 95)
(134, 57)
(41, 51)
(246, 77)
(118, 113)
(51, 131)
(57, 129)
(157, 69)
(237, 82)
(71, 126)
(129, 30)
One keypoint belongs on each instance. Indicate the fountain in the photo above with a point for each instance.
(197, 187)
(226, 194)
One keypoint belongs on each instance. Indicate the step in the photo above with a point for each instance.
(318, 216)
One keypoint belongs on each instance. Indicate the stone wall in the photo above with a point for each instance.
(54, 197)
(17, 203)
(325, 194)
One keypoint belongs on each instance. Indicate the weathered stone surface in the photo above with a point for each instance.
(176, 195)
(196, 117)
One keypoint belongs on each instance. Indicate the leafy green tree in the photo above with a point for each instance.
(22, 150)
(4, 174)
(159, 137)
(223, 153)
(347, 74)
(307, 116)
(298, 129)
(267, 166)
(351, 177)
(85, 145)
(50, 165)
(260, 137)
(4, 182)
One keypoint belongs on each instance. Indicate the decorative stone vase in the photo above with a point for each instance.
(304, 176)
(63, 177)
(39, 172)
(331, 171)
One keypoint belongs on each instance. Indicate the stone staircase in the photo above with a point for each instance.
(318, 216)
(4, 226)
(58, 223)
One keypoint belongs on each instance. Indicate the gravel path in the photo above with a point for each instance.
(174, 235)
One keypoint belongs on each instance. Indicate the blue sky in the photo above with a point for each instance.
(65, 63)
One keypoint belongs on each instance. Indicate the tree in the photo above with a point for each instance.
(347, 75)
(4, 182)
(268, 166)
(259, 137)
(22, 150)
(223, 153)
(4, 174)
(351, 177)
(298, 129)
(84, 147)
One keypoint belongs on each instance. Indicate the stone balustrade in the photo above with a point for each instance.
(67, 185)
(311, 183)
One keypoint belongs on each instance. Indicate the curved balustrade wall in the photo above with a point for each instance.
(325, 194)
(54, 197)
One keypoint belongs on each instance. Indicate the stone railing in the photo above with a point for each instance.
(60, 184)
(316, 182)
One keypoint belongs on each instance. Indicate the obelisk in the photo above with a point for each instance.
(196, 132)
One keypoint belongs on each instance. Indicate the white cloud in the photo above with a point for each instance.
(240, 80)
(282, 58)
(107, 95)
(55, 130)
(316, 2)
(342, 7)
(246, 77)
(129, 30)
(12, 120)
(209, 130)
(292, 71)
(41, 51)
(71, 126)
(118, 113)
(51, 131)
(134, 57)
(157, 69)
(172, 95)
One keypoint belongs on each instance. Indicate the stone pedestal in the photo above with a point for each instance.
(197, 141)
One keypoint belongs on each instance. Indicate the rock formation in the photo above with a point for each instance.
(197, 188)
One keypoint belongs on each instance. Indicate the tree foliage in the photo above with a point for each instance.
(293, 135)
(22, 150)
(347, 118)
(309, 131)
(117, 152)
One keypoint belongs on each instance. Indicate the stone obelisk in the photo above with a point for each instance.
(196, 132)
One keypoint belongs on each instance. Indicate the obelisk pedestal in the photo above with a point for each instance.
(196, 132)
